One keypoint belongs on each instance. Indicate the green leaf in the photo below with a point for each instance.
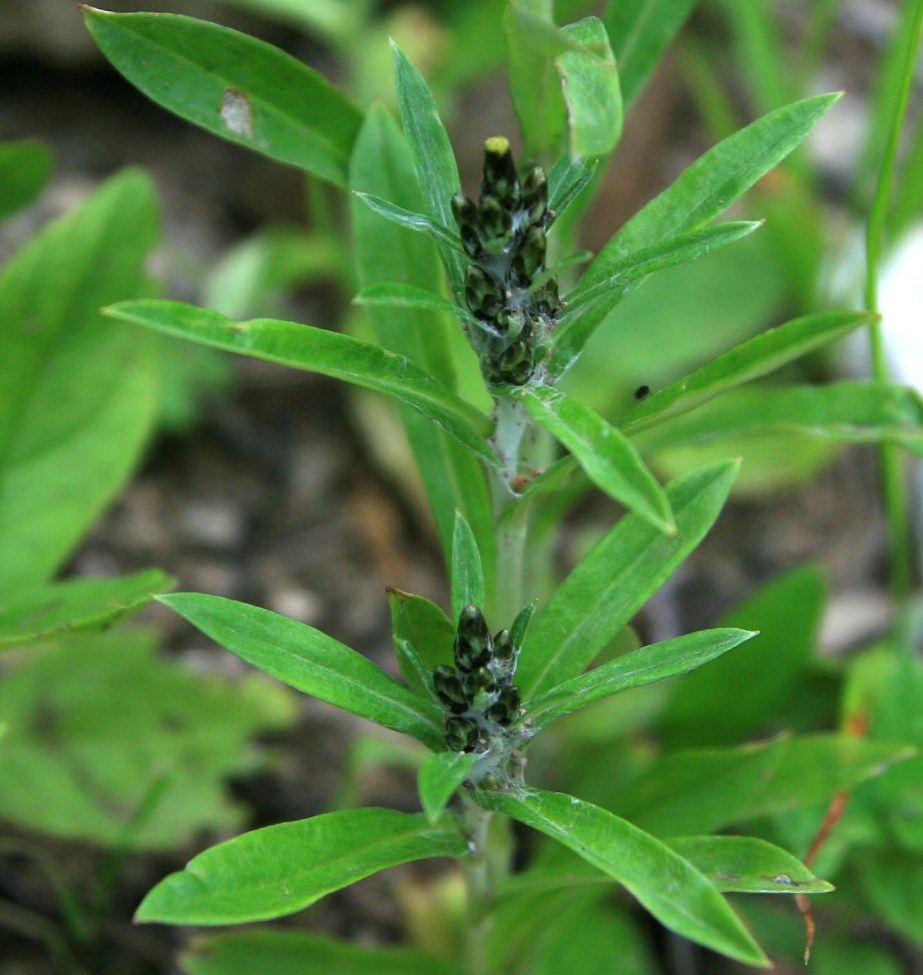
(608, 457)
(674, 891)
(639, 31)
(62, 608)
(590, 302)
(533, 39)
(281, 869)
(752, 359)
(318, 350)
(60, 467)
(893, 884)
(111, 744)
(467, 574)
(644, 666)
(615, 579)
(426, 631)
(233, 85)
(293, 952)
(431, 152)
(25, 168)
(392, 294)
(312, 662)
(411, 219)
(708, 789)
(715, 180)
(844, 412)
(454, 480)
(566, 179)
(746, 865)
(441, 774)
(764, 674)
(590, 84)
(548, 932)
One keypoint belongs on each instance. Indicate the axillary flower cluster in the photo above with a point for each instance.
(479, 694)
(507, 290)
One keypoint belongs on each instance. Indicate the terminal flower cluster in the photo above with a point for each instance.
(507, 289)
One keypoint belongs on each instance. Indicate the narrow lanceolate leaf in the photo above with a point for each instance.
(281, 869)
(757, 357)
(645, 666)
(594, 298)
(441, 774)
(715, 180)
(313, 662)
(236, 86)
(607, 456)
(318, 350)
(433, 159)
(590, 84)
(394, 294)
(411, 219)
(620, 573)
(288, 951)
(426, 633)
(673, 890)
(639, 31)
(25, 167)
(844, 412)
(747, 865)
(704, 790)
(62, 608)
(467, 574)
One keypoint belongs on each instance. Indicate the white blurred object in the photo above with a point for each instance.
(900, 300)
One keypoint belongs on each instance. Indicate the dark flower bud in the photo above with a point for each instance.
(500, 178)
(466, 216)
(463, 209)
(494, 218)
(515, 364)
(481, 686)
(506, 708)
(535, 194)
(505, 654)
(546, 298)
(461, 734)
(481, 293)
(473, 646)
(531, 256)
(450, 689)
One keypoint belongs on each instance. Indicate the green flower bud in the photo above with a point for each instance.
(461, 734)
(510, 322)
(450, 689)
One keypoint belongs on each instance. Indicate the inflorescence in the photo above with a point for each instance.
(478, 692)
(507, 289)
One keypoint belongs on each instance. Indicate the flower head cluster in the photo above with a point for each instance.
(506, 289)
(478, 693)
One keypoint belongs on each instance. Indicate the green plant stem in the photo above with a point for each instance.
(894, 484)
(480, 886)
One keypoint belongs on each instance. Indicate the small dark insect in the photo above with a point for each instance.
(642, 392)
